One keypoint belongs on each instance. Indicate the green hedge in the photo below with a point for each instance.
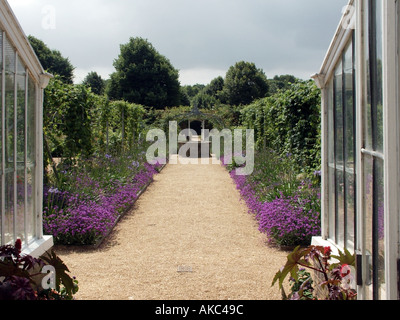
(289, 123)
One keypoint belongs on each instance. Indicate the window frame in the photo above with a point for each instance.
(20, 165)
(391, 145)
(337, 229)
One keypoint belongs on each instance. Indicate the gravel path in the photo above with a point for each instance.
(188, 237)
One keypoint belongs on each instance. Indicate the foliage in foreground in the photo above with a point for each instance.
(22, 276)
(337, 279)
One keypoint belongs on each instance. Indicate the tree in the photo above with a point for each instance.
(244, 83)
(192, 90)
(95, 82)
(144, 76)
(204, 101)
(215, 88)
(52, 60)
(282, 82)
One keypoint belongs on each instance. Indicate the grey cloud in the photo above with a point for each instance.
(287, 35)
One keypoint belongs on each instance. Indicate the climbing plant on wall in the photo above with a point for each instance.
(78, 123)
(67, 119)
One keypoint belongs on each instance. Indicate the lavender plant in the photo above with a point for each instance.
(287, 208)
(94, 196)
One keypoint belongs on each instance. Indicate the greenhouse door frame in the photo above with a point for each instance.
(368, 279)
(377, 100)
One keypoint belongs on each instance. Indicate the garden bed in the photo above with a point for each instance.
(118, 219)
(286, 205)
(90, 199)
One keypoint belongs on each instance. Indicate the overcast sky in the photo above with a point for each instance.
(202, 39)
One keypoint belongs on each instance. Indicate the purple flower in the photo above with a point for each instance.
(288, 219)
(84, 216)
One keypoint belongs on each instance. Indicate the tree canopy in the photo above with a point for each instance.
(94, 81)
(283, 82)
(52, 60)
(144, 76)
(244, 83)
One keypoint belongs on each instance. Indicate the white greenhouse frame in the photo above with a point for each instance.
(22, 82)
(367, 27)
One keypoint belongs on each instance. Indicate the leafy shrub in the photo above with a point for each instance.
(337, 279)
(289, 123)
(21, 277)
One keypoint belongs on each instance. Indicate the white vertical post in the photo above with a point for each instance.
(39, 164)
(391, 145)
(15, 213)
(3, 143)
(26, 160)
(361, 85)
(44, 81)
(320, 82)
(324, 166)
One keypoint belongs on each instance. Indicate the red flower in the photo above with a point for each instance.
(18, 245)
(327, 251)
(345, 270)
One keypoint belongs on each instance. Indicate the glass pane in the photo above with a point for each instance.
(331, 164)
(378, 230)
(331, 136)
(368, 214)
(31, 121)
(20, 119)
(340, 210)
(379, 77)
(339, 157)
(374, 106)
(20, 213)
(9, 110)
(9, 57)
(1, 213)
(332, 204)
(338, 96)
(367, 111)
(349, 130)
(9, 208)
(349, 146)
(1, 51)
(1, 122)
(21, 69)
(350, 210)
(30, 196)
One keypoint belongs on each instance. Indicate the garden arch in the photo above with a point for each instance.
(199, 122)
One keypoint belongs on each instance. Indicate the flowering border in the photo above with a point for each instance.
(287, 220)
(120, 216)
(87, 218)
